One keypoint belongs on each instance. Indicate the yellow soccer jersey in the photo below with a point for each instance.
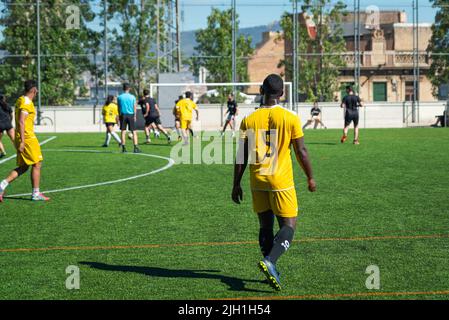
(26, 105)
(269, 131)
(185, 108)
(110, 113)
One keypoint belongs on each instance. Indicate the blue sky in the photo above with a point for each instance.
(262, 12)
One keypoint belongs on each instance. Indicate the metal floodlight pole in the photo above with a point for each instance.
(357, 45)
(38, 18)
(418, 83)
(106, 54)
(415, 62)
(234, 44)
(178, 36)
(295, 53)
(158, 40)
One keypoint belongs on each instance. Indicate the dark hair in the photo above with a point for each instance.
(181, 97)
(109, 100)
(4, 104)
(188, 94)
(146, 92)
(349, 88)
(28, 85)
(273, 86)
(126, 86)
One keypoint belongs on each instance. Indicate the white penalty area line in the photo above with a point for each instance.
(42, 143)
(170, 163)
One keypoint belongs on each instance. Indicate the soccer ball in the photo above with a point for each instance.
(130, 135)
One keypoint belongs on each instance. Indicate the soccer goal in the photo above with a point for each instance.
(212, 99)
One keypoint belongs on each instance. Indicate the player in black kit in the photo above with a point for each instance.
(5, 123)
(151, 114)
(231, 113)
(351, 103)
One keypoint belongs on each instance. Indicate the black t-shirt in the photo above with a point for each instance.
(143, 101)
(232, 107)
(315, 111)
(5, 114)
(351, 101)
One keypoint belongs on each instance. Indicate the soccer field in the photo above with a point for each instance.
(176, 234)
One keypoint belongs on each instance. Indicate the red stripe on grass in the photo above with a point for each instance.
(212, 244)
(345, 295)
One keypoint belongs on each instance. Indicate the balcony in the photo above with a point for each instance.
(397, 59)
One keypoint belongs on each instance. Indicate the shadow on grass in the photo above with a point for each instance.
(323, 143)
(18, 198)
(235, 284)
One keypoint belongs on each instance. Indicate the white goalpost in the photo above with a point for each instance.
(288, 94)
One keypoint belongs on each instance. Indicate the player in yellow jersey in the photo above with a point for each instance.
(28, 148)
(110, 118)
(265, 139)
(177, 114)
(185, 108)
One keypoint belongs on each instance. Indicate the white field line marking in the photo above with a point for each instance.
(170, 163)
(42, 143)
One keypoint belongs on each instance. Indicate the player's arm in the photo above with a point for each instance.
(359, 101)
(239, 169)
(22, 118)
(343, 103)
(197, 114)
(147, 109)
(135, 110)
(157, 109)
(302, 155)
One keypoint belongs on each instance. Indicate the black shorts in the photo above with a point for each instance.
(107, 124)
(149, 120)
(5, 126)
(351, 115)
(127, 120)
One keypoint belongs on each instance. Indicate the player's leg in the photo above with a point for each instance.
(13, 175)
(348, 121)
(315, 125)
(2, 147)
(266, 235)
(35, 182)
(178, 128)
(11, 133)
(225, 126)
(356, 129)
(147, 132)
(307, 124)
(162, 129)
(114, 135)
(123, 125)
(108, 136)
(135, 138)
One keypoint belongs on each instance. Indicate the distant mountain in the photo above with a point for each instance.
(188, 41)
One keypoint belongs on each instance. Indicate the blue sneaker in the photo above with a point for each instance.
(269, 270)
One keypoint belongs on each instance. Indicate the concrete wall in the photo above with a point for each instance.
(385, 115)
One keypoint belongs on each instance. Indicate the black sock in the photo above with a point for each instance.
(266, 241)
(281, 243)
(191, 132)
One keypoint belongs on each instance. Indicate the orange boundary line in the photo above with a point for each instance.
(344, 295)
(197, 244)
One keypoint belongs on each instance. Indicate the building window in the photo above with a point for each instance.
(379, 91)
(409, 91)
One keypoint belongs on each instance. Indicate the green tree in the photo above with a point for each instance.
(319, 59)
(439, 46)
(214, 49)
(132, 58)
(63, 48)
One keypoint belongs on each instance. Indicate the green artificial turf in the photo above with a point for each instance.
(384, 203)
